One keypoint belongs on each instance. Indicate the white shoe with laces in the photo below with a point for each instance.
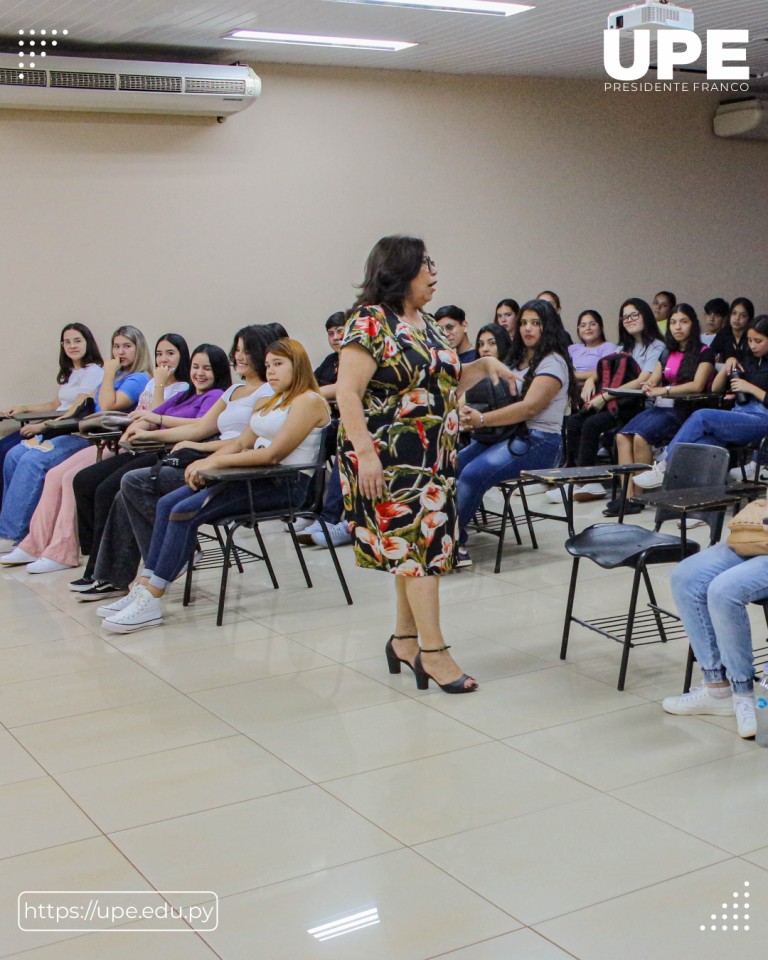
(44, 565)
(142, 613)
(16, 557)
(749, 470)
(589, 491)
(650, 479)
(555, 495)
(746, 722)
(697, 702)
(109, 608)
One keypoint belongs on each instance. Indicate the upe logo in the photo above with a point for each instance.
(676, 48)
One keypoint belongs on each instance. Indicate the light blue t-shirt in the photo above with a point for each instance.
(131, 384)
(647, 357)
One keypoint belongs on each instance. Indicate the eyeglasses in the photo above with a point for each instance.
(430, 264)
(626, 317)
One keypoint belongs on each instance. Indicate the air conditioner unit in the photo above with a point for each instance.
(742, 119)
(126, 86)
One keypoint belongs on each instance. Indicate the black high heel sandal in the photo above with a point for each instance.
(423, 678)
(392, 658)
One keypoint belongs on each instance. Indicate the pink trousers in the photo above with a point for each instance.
(53, 530)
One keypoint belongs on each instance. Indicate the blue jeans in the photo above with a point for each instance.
(181, 512)
(24, 473)
(333, 509)
(718, 427)
(712, 590)
(482, 467)
(6, 444)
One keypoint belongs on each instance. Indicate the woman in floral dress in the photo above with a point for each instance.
(397, 392)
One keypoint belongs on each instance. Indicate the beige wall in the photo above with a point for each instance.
(199, 227)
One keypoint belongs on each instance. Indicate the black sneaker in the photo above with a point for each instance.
(614, 508)
(101, 590)
(84, 583)
(463, 559)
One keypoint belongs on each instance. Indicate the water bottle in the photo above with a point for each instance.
(761, 711)
(741, 397)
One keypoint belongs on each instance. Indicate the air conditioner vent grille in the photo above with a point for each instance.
(195, 85)
(22, 78)
(83, 81)
(141, 82)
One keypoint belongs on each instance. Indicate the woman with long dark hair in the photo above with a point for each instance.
(170, 375)
(731, 341)
(398, 396)
(541, 362)
(507, 312)
(685, 366)
(80, 373)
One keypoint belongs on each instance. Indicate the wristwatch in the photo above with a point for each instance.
(667, 389)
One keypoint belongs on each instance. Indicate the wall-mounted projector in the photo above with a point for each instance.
(654, 15)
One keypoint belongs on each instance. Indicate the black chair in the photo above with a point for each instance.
(495, 522)
(225, 528)
(612, 545)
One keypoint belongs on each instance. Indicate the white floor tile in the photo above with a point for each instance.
(35, 814)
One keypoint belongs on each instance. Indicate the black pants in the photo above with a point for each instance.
(95, 490)
(584, 433)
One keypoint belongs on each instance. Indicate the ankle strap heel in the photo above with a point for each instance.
(393, 661)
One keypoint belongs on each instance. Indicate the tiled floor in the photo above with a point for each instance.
(276, 762)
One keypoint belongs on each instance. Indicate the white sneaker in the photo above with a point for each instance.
(338, 532)
(142, 613)
(698, 701)
(589, 491)
(749, 469)
(108, 609)
(746, 722)
(650, 479)
(299, 524)
(17, 556)
(555, 495)
(44, 565)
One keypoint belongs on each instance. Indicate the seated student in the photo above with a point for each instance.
(545, 371)
(716, 311)
(328, 371)
(686, 366)
(507, 312)
(493, 340)
(592, 345)
(640, 338)
(712, 591)
(731, 341)
(286, 428)
(453, 321)
(25, 468)
(662, 305)
(748, 421)
(51, 543)
(80, 372)
(550, 295)
(128, 529)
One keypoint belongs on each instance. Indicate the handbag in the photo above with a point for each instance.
(61, 428)
(487, 395)
(749, 536)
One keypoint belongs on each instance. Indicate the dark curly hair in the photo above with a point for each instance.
(391, 266)
(551, 342)
(256, 339)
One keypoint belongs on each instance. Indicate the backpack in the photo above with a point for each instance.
(613, 372)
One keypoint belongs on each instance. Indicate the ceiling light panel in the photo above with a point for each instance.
(488, 7)
(310, 40)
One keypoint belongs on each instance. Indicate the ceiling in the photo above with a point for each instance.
(560, 38)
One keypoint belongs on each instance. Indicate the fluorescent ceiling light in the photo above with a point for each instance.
(490, 7)
(353, 43)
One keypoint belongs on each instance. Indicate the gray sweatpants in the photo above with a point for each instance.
(128, 531)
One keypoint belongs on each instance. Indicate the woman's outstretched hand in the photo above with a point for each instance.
(497, 370)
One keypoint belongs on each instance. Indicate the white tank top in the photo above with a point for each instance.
(237, 414)
(267, 425)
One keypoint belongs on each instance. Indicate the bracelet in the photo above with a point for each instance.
(482, 420)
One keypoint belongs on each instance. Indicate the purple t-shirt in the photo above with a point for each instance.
(195, 406)
(585, 358)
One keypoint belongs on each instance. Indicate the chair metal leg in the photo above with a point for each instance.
(188, 581)
(265, 557)
(506, 512)
(299, 554)
(528, 518)
(630, 626)
(235, 552)
(652, 598)
(569, 608)
(224, 576)
(689, 669)
(337, 565)
(507, 494)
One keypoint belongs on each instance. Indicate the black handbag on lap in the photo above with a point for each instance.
(485, 396)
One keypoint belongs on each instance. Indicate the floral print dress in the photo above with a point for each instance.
(411, 405)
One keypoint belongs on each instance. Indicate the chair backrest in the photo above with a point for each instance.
(692, 466)
(325, 454)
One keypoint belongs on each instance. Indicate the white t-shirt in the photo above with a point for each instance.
(85, 380)
(147, 397)
(550, 420)
(237, 415)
